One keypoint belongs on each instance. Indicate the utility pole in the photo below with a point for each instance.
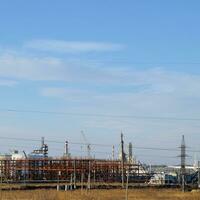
(127, 182)
(74, 174)
(82, 177)
(89, 176)
(128, 169)
(122, 159)
(198, 174)
(71, 182)
(1, 184)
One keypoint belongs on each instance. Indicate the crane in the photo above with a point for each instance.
(88, 146)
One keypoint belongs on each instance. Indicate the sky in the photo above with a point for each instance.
(102, 67)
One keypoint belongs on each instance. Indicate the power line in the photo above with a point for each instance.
(53, 141)
(79, 151)
(155, 148)
(104, 61)
(100, 115)
(160, 156)
(108, 153)
(93, 144)
(97, 144)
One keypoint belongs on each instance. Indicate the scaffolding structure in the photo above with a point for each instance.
(66, 170)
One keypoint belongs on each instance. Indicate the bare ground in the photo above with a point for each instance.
(134, 194)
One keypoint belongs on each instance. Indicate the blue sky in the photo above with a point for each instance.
(135, 58)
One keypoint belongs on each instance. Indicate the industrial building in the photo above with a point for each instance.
(39, 167)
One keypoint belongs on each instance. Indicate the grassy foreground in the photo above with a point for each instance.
(136, 194)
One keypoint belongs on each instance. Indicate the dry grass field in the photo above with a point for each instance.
(135, 194)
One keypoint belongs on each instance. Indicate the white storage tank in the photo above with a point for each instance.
(5, 157)
(17, 156)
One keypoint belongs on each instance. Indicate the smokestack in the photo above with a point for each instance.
(130, 152)
(42, 141)
(66, 153)
(44, 148)
(113, 152)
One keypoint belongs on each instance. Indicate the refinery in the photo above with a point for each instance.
(75, 171)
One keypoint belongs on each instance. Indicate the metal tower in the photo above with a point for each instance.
(183, 158)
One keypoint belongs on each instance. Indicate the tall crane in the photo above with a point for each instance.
(88, 146)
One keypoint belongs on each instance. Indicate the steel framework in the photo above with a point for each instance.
(68, 170)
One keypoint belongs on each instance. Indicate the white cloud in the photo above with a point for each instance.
(142, 84)
(71, 46)
(31, 68)
(75, 95)
(8, 83)
(36, 68)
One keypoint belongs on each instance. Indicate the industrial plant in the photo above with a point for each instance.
(74, 171)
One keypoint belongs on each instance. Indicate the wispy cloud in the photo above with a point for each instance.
(32, 68)
(162, 93)
(9, 83)
(72, 46)
(25, 67)
(152, 81)
(75, 95)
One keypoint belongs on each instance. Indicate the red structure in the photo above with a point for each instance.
(68, 170)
